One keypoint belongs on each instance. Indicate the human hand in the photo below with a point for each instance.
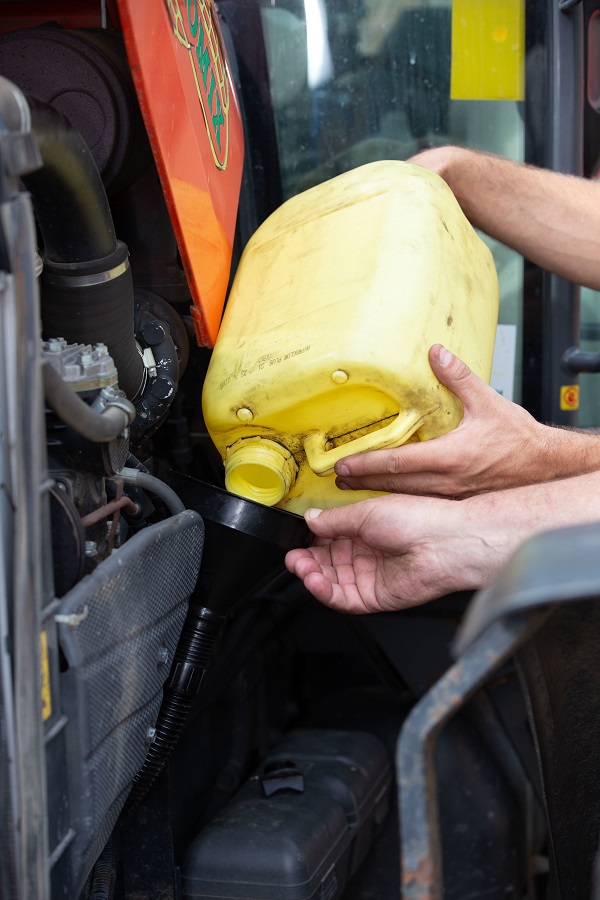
(442, 159)
(550, 218)
(496, 445)
(467, 174)
(394, 552)
(398, 551)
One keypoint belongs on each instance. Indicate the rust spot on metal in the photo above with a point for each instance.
(417, 884)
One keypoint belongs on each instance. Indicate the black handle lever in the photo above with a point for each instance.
(575, 360)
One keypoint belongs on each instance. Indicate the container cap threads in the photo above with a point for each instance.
(259, 469)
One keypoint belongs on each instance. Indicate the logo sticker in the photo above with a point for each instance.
(569, 396)
(196, 29)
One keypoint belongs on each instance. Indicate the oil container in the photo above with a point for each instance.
(323, 347)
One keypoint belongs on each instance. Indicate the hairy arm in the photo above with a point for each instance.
(550, 218)
(400, 551)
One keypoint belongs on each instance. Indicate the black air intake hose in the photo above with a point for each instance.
(192, 659)
(87, 289)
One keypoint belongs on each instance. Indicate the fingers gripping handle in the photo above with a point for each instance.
(322, 461)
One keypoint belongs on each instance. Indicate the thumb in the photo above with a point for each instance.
(455, 374)
(339, 522)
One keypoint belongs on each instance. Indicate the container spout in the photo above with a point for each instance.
(260, 469)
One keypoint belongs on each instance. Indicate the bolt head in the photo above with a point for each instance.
(161, 388)
(153, 333)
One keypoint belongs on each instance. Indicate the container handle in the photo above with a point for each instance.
(397, 432)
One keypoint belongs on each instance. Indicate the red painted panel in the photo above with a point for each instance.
(186, 94)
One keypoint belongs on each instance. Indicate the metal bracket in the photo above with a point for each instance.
(20, 154)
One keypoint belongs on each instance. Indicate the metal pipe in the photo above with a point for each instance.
(103, 512)
(421, 857)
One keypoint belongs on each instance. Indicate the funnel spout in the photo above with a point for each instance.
(244, 542)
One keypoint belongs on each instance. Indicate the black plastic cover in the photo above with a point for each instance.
(295, 845)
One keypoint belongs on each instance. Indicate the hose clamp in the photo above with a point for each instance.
(83, 281)
(113, 397)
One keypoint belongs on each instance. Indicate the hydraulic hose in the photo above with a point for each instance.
(100, 427)
(155, 486)
(87, 288)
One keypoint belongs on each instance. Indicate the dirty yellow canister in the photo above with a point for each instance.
(323, 347)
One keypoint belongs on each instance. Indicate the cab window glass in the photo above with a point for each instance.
(589, 411)
(353, 81)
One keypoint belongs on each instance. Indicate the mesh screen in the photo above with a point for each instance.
(118, 630)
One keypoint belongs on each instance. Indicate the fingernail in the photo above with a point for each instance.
(444, 356)
(343, 469)
(342, 485)
(312, 513)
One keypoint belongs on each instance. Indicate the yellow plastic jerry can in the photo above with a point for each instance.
(323, 348)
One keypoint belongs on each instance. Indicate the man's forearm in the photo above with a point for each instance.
(538, 507)
(493, 526)
(565, 452)
(550, 218)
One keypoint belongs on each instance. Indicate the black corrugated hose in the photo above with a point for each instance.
(100, 883)
(194, 652)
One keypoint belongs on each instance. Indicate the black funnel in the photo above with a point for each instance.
(244, 542)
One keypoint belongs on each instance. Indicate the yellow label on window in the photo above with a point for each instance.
(488, 50)
(569, 396)
(45, 677)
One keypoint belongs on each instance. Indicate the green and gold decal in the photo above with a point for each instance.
(196, 30)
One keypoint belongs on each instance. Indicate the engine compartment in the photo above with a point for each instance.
(182, 667)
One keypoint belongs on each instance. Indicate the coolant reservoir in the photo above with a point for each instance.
(323, 348)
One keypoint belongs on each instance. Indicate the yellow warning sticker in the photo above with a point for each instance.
(45, 677)
(569, 396)
(488, 50)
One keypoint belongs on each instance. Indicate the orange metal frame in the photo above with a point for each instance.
(186, 93)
